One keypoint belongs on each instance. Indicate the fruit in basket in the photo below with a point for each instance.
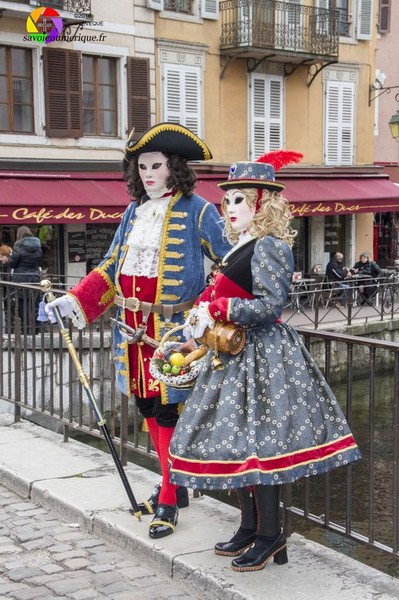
(166, 368)
(176, 359)
(176, 370)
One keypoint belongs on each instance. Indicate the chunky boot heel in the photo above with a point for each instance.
(182, 497)
(281, 558)
(257, 557)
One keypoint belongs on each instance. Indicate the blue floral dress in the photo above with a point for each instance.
(269, 417)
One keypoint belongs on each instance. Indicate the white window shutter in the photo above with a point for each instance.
(258, 114)
(192, 101)
(210, 9)
(339, 123)
(276, 110)
(266, 114)
(182, 97)
(322, 4)
(155, 4)
(347, 124)
(172, 94)
(364, 19)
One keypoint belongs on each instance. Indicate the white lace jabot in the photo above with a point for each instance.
(144, 240)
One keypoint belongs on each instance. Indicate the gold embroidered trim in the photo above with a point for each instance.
(170, 297)
(173, 282)
(209, 248)
(179, 215)
(165, 242)
(177, 227)
(154, 131)
(148, 507)
(169, 254)
(174, 268)
(163, 523)
(176, 241)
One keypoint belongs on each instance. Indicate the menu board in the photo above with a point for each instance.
(76, 246)
(98, 240)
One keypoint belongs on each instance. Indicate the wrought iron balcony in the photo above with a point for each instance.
(71, 6)
(288, 32)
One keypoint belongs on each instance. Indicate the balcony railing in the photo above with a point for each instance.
(257, 26)
(73, 6)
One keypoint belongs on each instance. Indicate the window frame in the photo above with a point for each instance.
(267, 119)
(339, 126)
(10, 92)
(183, 116)
(97, 88)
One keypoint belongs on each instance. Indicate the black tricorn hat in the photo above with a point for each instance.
(168, 138)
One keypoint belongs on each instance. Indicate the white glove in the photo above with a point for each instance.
(65, 307)
(197, 321)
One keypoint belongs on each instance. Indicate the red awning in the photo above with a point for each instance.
(332, 196)
(67, 198)
(325, 196)
(102, 197)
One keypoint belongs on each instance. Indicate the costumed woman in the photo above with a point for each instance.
(268, 417)
(153, 272)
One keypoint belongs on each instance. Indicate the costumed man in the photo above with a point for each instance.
(153, 272)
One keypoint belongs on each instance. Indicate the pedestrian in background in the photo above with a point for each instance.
(5, 275)
(367, 272)
(268, 417)
(336, 272)
(25, 262)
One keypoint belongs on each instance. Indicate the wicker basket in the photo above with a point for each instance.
(162, 354)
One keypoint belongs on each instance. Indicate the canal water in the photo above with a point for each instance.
(376, 424)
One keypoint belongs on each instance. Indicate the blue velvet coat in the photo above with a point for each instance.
(192, 229)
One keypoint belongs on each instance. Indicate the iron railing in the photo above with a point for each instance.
(38, 381)
(283, 27)
(73, 6)
(179, 6)
(314, 304)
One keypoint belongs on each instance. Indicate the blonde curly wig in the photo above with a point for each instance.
(272, 218)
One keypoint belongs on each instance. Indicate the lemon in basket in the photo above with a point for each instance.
(176, 359)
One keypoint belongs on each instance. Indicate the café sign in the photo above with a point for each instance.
(42, 215)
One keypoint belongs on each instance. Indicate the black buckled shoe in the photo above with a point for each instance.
(164, 521)
(238, 543)
(260, 553)
(148, 507)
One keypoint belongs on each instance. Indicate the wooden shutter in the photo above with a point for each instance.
(384, 16)
(63, 91)
(210, 9)
(339, 123)
(138, 89)
(155, 4)
(364, 19)
(182, 97)
(266, 114)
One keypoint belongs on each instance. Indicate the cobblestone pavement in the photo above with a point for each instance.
(42, 557)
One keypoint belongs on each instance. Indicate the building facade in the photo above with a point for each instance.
(248, 76)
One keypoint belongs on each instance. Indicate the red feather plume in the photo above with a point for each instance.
(280, 158)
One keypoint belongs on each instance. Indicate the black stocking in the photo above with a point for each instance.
(248, 509)
(267, 498)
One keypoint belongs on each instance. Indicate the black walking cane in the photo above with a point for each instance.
(45, 287)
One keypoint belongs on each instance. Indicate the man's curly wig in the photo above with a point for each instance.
(181, 178)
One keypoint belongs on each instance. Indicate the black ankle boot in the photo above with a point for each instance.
(164, 521)
(148, 507)
(261, 552)
(234, 547)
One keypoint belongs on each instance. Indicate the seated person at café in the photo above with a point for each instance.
(336, 272)
(367, 272)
